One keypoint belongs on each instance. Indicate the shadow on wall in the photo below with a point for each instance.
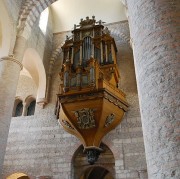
(34, 65)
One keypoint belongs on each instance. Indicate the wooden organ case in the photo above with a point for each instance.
(89, 104)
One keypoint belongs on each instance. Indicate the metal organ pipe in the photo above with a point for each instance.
(80, 54)
(92, 53)
(106, 52)
(81, 49)
(101, 52)
(72, 54)
(86, 49)
(112, 51)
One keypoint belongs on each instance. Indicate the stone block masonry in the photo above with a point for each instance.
(154, 27)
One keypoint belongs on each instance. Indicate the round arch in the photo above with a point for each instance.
(80, 165)
(17, 101)
(30, 103)
(5, 31)
(34, 65)
(31, 10)
(18, 175)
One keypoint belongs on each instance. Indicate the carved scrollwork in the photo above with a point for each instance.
(66, 123)
(110, 118)
(85, 118)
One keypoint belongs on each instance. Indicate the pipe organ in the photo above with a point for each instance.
(89, 104)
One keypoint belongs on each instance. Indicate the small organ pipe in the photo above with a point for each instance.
(106, 52)
(101, 52)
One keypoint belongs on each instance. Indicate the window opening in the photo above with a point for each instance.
(31, 108)
(19, 109)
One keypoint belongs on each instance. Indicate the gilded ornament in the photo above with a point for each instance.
(85, 118)
(110, 118)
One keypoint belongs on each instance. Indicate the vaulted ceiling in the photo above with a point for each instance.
(68, 12)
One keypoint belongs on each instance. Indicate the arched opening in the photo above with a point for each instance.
(18, 108)
(103, 168)
(87, 49)
(97, 173)
(31, 108)
(18, 176)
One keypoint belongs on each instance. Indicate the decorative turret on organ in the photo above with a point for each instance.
(90, 47)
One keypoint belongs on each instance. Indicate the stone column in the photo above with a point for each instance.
(154, 26)
(9, 74)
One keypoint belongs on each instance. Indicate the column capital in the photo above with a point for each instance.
(41, 102)
(13, 59)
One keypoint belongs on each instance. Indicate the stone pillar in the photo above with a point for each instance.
(9, 74)
(25, 107)
(156, 46)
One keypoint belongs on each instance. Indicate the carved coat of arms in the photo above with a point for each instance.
(85, 118)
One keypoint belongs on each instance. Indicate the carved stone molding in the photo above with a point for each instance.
(12, 58)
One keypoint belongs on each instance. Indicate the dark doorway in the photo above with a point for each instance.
(97, 173)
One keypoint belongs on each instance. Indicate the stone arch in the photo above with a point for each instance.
(28, 101)
(113, 148)
(18, 175)
(56, 53)
(29, 13)
(34, 65)
(80, 164)
(121, 30)
(18, 99)
(29, 98)
(5, 31)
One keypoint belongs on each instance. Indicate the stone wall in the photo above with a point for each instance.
(38, 146)
(26, 87)
(156, 44)
(42, 43)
